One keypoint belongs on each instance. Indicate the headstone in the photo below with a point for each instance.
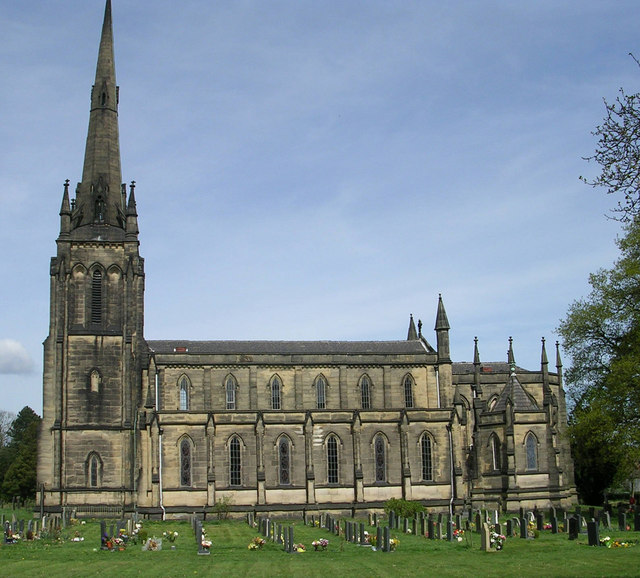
(495, 517)
(509, 528)
(485, 538)
(286, 541)
(379, 538)
(497, 528)
(405, 525)
(103, 535)
(459, 521)
(386, 547)
(363, 536)
(450, 531)
(540, 522)
(438, 531)
(524, 528)
(392, 519)
(375, 519)
(199, 534)
(622, 521)
(593, 533)
(478, 522)
(431, 529)
(423, 526)
(554, 525)
(291, 540)
(370, 516)
(279, 534)
(574, 528)
(636, 521)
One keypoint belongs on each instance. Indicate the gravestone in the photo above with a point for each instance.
(375, 519)
(554, 525)
(438, 531)
(291, 540)
(540, 522)
(414, 526)
(524, 528)
(574, 528)
(636, 521)
(199, 536)
(423, 526)
(459, 521)
(594, 535)
(478, 522)
(509, 528)
(386, 547)
(103, 535)
(379, 538)
(363, 536)
(622, 521)
(450, 531)
(431, 529)
(285, 544)
(485, 538)
(495, 517)
(497, 528)
(405, 525)
(392, 519)
(370, 516)
(279, 534)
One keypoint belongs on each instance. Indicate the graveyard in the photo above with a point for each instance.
(586, 542)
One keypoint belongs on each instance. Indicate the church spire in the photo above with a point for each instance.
(98, 196)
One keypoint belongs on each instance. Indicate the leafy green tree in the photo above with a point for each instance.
(18, 459)
(601, 333)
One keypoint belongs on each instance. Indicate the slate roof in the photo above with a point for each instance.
(520, 399)
(290, 347)
(486, 367)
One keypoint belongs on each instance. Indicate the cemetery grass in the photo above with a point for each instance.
(551, 555)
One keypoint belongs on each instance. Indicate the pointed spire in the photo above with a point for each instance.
(442, 332)
(132, 213)
(558, 363)
(65, 211)
(543, 357)
(476, 352)
(511, 360)
(476, 387)
(412, 334)
(98, 196)
(441, 318)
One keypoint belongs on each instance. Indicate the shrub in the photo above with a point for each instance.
(403, 508)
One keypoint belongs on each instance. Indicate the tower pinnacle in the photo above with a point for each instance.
(98, 196)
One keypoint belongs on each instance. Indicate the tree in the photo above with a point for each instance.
(618, 154)
(601, 333)
(18, 459)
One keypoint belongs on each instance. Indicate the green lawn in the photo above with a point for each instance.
(548, 555)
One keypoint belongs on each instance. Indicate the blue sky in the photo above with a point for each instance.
(320, 170)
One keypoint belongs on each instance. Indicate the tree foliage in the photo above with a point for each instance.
(618, 154)
(601, 333)
(18, 457)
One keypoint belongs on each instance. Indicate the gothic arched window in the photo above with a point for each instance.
(276, 393)
(93, 470)
(284, 461)
(321, 392)
(365, 392)
(332, 459)
(427, 458)
(380, 459)
(95, 380)
(185, 463)
(96, 297)
(184, 393)
(495, 452)
(235, 463)
(230, 390)
(531, 448)
(408, 391)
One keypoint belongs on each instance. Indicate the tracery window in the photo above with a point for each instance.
(321, 393)
(380, 459)
(235, 463)
(531, 448)
(332, 460)
(185, 463)
(427, 458)
(184, 393)
(230, 389)
(365, 392)
(284, 461)
(276, 393)
(93, 470)
(408, 391)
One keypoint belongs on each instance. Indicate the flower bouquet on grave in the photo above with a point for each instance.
(77, 537)
(119, 543)
(496, 541)
(171, 536)
(373, 540)
(256, 543)
(393, 543)
(299, 548)
(123, 535)
(457, 534)
(322, 543)
(152, 545)
(206, 544)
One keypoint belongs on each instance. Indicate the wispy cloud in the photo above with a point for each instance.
(14, 358)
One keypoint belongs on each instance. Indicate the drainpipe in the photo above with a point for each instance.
(159, 450)
(452, 473)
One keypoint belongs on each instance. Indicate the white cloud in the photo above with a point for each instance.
(14, 358)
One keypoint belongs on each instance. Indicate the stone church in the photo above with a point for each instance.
(171, 427)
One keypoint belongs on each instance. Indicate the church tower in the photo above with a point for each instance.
(95, 350)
